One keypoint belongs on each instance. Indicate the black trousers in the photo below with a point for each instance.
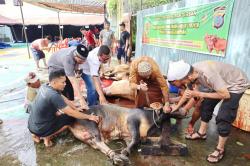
(68, 90)
(226, 115)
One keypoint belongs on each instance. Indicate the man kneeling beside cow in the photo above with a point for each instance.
(51, 113)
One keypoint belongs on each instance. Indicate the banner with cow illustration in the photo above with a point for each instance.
(202, 29)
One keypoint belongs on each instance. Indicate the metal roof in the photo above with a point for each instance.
(82, 6)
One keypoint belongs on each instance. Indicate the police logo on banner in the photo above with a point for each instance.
(219, 14)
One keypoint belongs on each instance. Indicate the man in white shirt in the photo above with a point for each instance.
(90, 74)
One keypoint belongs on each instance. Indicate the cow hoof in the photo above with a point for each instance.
(125, 152)
(120, 159)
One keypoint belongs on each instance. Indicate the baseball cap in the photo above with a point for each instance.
(31, 78)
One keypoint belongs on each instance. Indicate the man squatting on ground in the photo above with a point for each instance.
(51, 112)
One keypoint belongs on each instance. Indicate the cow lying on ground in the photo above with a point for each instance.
(117, 123)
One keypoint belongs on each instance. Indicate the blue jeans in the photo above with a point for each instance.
(92, 96)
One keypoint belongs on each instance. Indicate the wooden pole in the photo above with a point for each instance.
(59, 25)
(24, 29)
(42, 30)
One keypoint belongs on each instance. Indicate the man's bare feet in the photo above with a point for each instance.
(35, 138)
(47, 142)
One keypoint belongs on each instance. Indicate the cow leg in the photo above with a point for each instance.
(81, 133)
(165, 135)
(118, 159)
(133, 127)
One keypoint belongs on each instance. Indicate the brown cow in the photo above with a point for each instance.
(215, 43)
(118, 123)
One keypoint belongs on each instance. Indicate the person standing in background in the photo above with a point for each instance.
(37, 48)
(124, 43)
(107, 36)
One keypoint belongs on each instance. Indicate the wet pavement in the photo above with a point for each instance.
(17, 147)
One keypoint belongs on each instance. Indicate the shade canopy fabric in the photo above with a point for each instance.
(83, 6)
(35, 15)
(7, 21)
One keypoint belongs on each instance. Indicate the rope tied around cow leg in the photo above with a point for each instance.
(155, 112)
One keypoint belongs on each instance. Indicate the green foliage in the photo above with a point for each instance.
(112, 6)
(136, 5)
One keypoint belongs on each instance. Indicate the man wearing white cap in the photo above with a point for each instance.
(228, 83)
(146, 77)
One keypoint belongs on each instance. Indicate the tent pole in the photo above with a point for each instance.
(42, 31)
(59, 25)
(25, 34)
(13, 30)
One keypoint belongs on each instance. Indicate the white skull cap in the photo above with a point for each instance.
(144, 68)
(178, 70)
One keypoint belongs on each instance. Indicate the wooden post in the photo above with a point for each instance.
(59, 25)
(24, 30)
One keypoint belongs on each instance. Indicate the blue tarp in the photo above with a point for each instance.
(4, 45)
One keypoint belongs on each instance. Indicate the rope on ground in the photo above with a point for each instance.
(120, 148)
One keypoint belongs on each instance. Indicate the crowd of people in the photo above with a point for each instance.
(91, 38)
(202, 86)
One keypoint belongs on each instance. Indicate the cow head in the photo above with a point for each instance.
(209, 41)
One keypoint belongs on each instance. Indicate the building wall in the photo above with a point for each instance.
(238, 48)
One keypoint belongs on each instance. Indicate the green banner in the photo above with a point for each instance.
(202, 29)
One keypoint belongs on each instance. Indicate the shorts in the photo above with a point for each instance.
(120, 53)
(60, 121)
(226, 115)
(37, 54)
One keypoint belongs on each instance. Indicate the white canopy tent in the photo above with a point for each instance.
(35, 15)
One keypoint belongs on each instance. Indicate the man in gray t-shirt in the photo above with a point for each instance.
(107, 36)
(68, 59)
(228, 84)
(51, 112)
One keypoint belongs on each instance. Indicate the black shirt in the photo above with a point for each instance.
(43, 109)
(124, 36)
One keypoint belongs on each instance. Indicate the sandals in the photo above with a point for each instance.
(217, 158)
(199, 137)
